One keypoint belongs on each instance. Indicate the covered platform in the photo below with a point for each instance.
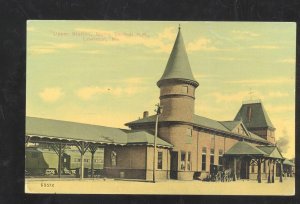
(60, 134)
(244, 158)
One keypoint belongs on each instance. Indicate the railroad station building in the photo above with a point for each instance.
(189, 146)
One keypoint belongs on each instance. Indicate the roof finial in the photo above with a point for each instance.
(179, 26)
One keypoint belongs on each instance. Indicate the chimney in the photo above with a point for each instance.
(145, 114)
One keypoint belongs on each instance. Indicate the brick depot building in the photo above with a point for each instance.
(188, 145)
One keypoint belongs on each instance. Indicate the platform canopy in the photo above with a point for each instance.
(244, 148)
(288, 162)
(55, 131)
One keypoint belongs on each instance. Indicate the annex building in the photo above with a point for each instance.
(189, 146)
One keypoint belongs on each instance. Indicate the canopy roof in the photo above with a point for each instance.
(178, 66)
(288, 162)
(244, 148)
(72, 131)
(272, 151)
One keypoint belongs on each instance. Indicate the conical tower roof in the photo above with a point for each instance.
(178, 66)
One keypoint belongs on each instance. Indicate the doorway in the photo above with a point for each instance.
(174, 165)
(244, 173)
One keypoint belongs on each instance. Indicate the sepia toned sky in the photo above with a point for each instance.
(105, 72)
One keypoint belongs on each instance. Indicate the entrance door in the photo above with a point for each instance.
(244, 169)
(174, 165)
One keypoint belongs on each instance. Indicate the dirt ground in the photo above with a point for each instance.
(168, 187)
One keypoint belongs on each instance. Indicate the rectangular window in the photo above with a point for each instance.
(220, 156)
(159, 160)
(77, 160)
(212, 157)
(203, 159)
(182, 161)
(189, 132)
(212, 142)
(252, 168)
(86, 160)
(185, 89)
(264, 167)
(188, 163)
(189, 138)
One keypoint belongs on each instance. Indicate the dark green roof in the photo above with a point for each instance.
(230, 125)
(202, 122)
(256, 137)
(244, 148)
(178, 66)
(288, 162)
(72, 131)
(271, 151)
(258, 116)
(149, 119)
(137, 137)
(209, 123)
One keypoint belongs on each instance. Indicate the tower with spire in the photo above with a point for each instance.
(198, 143)
(177, 97)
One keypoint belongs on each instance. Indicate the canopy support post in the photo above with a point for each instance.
(234, 169)
(82, 147)
(281, 170)
(93, 149)
(59, 150)
(273, 172)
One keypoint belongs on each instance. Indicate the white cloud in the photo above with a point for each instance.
(93, 52)
(87, 93)
(202, 43)
(161, 43)
(51, 94)
(266, 47)
(229, 59)
(287, 60)
(277, 94)
(258, 82)
(47, 48)
(125, 88)
(221, 97)
(280, 108)
(239, 34)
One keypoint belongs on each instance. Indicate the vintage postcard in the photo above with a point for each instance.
(160, 107)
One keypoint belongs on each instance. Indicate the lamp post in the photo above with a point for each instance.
(158, 112)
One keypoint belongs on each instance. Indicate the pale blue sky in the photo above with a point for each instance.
(105, 72)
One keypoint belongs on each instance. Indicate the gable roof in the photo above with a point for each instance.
(178, 66)
(244, 148)
(202, 122)
(256, 137)
(230, 125)
(72, 131)
(75, 131)
(271, 151)
(138, 137)
(149, 119)
(288, 162)
(258, 117)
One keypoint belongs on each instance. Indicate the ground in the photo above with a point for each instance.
(110, 186)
